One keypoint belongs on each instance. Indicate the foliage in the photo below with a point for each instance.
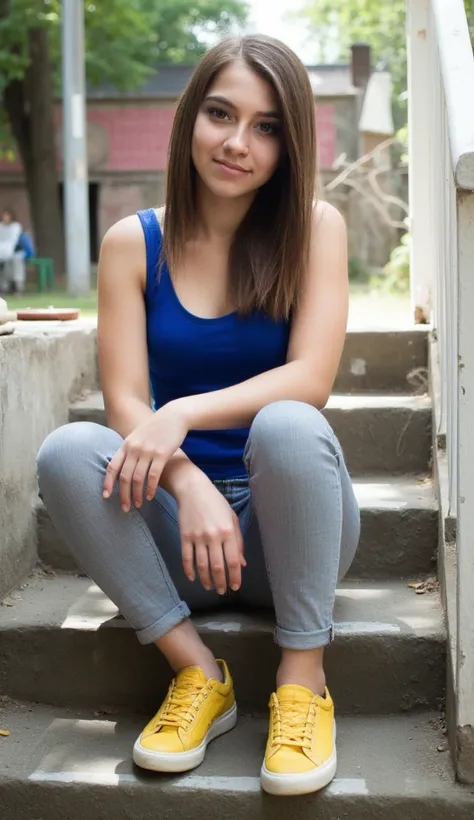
(336, 24)
(358, 270)
(397, 270)
(469, 6)
(125, 39)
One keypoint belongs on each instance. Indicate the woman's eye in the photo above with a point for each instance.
(269, 128)
(217, 113)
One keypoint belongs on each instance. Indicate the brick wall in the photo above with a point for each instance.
(135, 136)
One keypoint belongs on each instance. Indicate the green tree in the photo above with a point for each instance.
(469, 6)
(336, 24)
(125, 41)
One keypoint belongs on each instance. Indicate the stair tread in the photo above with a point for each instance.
(362, 607)
(95, 401)
(378, 432)
(383, 756)
(378, 401)
(382, 492)
(395, 492)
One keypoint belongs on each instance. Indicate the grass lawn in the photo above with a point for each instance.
(58, 298)
(369, 307)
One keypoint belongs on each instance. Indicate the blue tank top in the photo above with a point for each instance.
(188, 355)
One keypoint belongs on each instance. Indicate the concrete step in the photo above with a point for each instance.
(398, 537)
(383, 362)
(60, 763)
(379, 434)
(382, 434)
(61, 642)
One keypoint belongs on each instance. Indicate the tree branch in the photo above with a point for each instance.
(363, 179)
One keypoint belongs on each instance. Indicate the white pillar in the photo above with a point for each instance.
(76, 184)
(420, 158)
(465, 484)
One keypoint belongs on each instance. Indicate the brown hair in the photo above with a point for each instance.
(270, 247)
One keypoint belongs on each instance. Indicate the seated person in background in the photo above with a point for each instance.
(12, 265)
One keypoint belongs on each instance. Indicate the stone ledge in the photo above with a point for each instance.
(43, 366)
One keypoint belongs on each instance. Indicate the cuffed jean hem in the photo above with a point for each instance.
(164, 624)
(303, 640)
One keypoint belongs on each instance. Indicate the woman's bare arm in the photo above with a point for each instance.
(123, 356)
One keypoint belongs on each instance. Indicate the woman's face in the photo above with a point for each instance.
(237, 139)
(6, 217)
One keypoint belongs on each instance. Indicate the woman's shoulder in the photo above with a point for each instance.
(328, 223)
(123, 250)
(160, 215)
(127, 233)
(323, 211)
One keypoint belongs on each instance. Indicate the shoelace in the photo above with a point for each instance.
(293, 725)
(182, 703)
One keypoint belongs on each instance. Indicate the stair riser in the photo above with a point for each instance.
(383, 363)
(386, 441)
(389, 362)
(374, 440)
(245, 801)
(367, 673)
(393, 544)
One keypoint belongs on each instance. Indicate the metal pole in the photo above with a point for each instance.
(76, 185)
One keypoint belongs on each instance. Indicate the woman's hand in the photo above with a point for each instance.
(210, 535)
(143, 455)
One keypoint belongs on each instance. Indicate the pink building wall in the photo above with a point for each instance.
(135, 137)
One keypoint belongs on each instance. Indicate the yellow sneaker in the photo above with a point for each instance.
(195, 711)
(301, 750)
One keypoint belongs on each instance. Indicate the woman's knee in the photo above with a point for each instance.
(288, 424)
(67, 451)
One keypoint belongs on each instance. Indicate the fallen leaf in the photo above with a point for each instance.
(4, 733)
(4, 603)
(420, 587)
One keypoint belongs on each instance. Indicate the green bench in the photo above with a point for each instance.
(45, 271)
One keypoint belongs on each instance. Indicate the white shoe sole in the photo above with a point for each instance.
(304, 783)
(183, 761)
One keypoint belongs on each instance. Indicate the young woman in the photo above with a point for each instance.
(234, 311)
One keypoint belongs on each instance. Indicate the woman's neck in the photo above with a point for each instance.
(219, 218)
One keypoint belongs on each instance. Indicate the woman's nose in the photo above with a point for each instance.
(237, 142)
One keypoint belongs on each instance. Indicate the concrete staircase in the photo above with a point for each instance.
(76, 687)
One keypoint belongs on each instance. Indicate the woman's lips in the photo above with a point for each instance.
(231, 167)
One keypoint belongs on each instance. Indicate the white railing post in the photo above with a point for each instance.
(438, 169)
(452, 157)
(465, 507)
(420, 152)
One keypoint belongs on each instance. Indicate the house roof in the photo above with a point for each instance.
(169, 81)
(331, 80)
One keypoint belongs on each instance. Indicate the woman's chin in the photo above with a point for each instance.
(228, 189)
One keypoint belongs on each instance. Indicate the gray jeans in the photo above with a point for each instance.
(13, 272)
(297, 512)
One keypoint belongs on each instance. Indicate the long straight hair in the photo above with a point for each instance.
(270, 248)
